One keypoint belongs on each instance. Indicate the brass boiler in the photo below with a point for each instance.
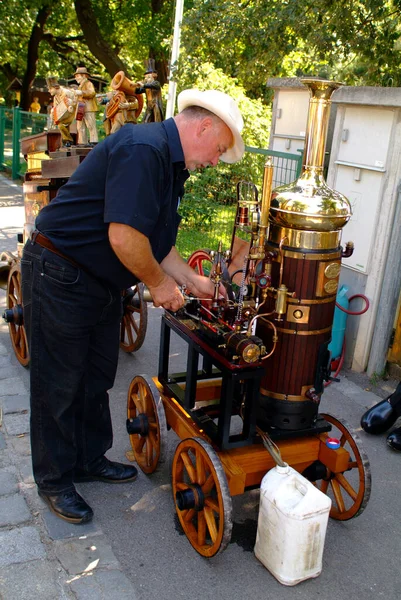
(306, 219)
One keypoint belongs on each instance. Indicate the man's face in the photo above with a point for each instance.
(211, 140)
(79, 77)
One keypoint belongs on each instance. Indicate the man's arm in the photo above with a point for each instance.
(134, 251)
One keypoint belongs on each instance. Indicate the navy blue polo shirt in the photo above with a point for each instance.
(136, 177)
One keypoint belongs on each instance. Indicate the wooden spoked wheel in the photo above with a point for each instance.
(201, 495)
(135, 319)
(144, 401)
(16, 327)
(350, 490)
(201, 262)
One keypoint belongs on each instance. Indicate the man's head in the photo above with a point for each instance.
(210, 126)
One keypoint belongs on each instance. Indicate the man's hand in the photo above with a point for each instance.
(203, 287)
(167, 294)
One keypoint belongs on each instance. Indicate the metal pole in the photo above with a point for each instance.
(175, 51)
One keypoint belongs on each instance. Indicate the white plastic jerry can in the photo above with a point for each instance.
(292, 524)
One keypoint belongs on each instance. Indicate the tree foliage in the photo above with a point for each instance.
(357, 42)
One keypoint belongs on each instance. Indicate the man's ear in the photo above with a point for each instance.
(204, 125)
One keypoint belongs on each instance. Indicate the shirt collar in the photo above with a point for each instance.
(174, 142)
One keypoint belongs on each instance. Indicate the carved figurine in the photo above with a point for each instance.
(86, 108)
(63, 110)
(152, 89)
(123, 104)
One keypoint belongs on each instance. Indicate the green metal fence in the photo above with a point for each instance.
(14, 125)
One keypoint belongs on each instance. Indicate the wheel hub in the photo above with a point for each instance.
(14, 315)
(192, 497)
(139, 424)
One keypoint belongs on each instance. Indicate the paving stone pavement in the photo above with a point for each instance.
(44, 557)
(41, 556)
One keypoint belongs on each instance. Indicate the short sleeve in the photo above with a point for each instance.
(134, 187)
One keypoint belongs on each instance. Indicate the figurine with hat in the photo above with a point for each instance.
(63, 110)
(86, 109)
(152, 89)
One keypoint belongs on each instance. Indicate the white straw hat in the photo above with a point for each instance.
(224, 107)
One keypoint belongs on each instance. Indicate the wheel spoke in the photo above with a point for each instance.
(132, 323)
(189, 515)
(200, 468)
(141, 441)
(201, 529)
(337, 495)
(211, 503)
(149, 453)
(152, 439)
(189, 466)
(208, 485)
(211, 523)
(324, 486)
(346, 486)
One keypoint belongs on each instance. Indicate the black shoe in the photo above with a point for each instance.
(69, 506)
(108, 471)
(379, 418)
(394, 439)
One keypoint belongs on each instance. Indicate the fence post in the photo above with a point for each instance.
(2, 135)
(16, 135)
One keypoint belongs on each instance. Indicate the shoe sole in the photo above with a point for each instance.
(88, 478)
(73, 520)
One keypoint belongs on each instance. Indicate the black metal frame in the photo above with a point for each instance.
(213, 366)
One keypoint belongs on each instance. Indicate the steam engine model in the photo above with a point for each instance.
(257, 357)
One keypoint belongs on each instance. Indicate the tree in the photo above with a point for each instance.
(358, 42)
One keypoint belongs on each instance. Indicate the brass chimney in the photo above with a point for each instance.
(308, 204)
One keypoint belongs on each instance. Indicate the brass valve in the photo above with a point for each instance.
(282, 294)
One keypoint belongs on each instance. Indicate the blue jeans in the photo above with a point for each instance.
(72, 322)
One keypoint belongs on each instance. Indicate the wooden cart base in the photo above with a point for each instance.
(204, 478)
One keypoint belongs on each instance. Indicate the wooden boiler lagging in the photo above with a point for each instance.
(306, 218)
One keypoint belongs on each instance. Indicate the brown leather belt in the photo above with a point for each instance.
(42, 240)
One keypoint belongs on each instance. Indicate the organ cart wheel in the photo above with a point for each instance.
(134, 320)
(350, 490)
(15, 320)
(200, 261)
(146, 423)
(201, 495)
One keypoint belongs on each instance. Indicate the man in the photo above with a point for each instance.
(87, 102)
(113, 223)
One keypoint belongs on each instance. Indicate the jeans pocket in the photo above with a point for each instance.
(59, 271)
